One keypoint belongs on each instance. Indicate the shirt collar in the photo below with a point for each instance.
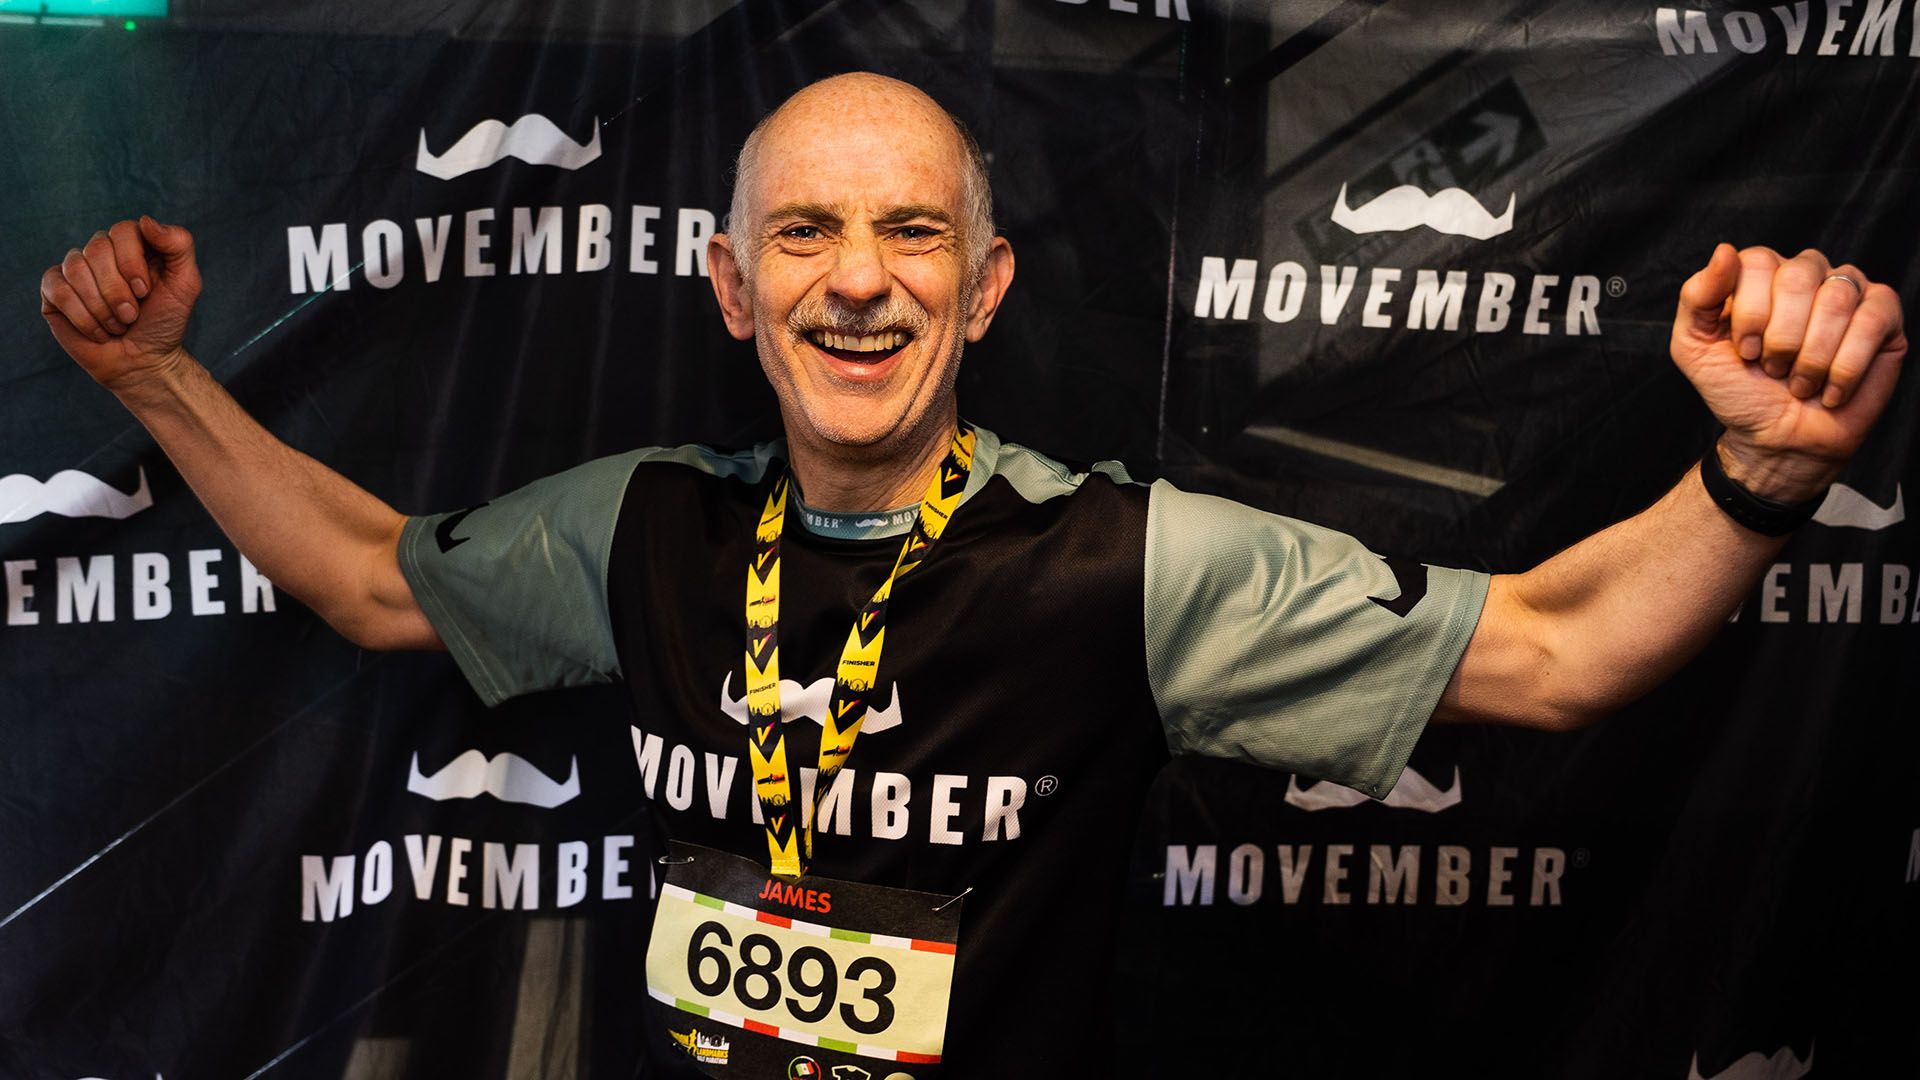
(882, 524)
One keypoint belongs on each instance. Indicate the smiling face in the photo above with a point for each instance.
(851, 270)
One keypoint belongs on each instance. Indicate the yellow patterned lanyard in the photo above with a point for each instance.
(788, 845)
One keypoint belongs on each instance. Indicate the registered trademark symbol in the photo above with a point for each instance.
(1046, 785)
(1581, 857)
(1616, 286)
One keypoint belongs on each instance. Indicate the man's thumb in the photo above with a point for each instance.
(170, 242)
(1703, 299)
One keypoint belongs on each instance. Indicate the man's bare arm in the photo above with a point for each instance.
(1797, 365)
(119, 306)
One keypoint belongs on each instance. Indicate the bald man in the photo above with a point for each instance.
(1015, 647)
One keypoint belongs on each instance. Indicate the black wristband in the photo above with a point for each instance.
(1756, 512)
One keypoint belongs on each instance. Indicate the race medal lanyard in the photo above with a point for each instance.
(789, 837)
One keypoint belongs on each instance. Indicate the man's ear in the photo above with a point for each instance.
(994, 280)
(736, 302)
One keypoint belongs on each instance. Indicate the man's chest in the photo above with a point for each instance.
(1008, 684)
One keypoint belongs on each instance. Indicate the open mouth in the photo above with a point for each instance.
(862, 350)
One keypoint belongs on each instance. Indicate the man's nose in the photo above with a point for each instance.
(859, 271)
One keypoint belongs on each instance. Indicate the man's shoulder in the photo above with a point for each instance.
(1037, 477)
(747, 465)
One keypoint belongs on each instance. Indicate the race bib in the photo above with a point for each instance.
(754, 976)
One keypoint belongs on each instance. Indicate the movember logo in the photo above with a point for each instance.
(1846, 508)
(69, 493)
(810, 701)
(1413, 792)
(533, 139)
(1450, 210)
(1783, 1065)
(507, 777)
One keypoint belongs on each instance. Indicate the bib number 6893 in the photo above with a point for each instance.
(810, 973)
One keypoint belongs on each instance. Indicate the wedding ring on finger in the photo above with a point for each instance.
(1858, 291)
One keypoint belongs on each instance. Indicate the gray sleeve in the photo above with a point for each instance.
(517, 586)
(1287, 645)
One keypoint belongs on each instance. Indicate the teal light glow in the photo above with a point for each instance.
(106, 9)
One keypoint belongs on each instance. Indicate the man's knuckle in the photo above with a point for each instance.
(1834, 302)
(1799, 277)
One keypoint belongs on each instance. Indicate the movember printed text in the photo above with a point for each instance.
(1418, 299)
(511, 241)
(142, 586)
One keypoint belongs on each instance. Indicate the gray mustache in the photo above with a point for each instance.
(896, 313)
(506, 776)
(69, 493)
(1413, 792)
(1450, 210)
(533, 139)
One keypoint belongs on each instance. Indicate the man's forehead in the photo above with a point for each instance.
(875, 145)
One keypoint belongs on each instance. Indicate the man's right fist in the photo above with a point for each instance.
(119, 305)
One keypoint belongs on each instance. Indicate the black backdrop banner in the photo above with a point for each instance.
(216, 856)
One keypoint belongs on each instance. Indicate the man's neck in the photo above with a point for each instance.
(882, 477)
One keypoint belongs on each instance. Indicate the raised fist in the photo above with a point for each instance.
(119, 305)
(1796, 357)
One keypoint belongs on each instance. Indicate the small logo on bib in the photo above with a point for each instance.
(701, 1047)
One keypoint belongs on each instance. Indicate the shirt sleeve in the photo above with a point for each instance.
(517, 586)
(1288, 645)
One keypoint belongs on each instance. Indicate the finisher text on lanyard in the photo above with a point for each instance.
(789, 842)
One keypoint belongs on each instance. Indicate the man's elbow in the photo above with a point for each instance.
(1517, 671)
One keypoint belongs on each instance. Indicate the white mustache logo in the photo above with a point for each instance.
(1846, 508)
(533, 139)
(507, 777)
(1450, 210)
(810, 701)
(1413, 792)
(70, 493)
(1781, 1066)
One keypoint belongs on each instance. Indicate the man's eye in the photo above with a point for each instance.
(801, 232)
(916, 232)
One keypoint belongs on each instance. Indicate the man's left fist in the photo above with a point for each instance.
(1796, 357)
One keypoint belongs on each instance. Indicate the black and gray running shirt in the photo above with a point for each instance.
(1068, 631)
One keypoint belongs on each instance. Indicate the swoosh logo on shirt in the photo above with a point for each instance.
(443, 534)
(1412, 578)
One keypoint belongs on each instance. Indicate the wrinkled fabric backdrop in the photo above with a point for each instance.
(212, 861)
